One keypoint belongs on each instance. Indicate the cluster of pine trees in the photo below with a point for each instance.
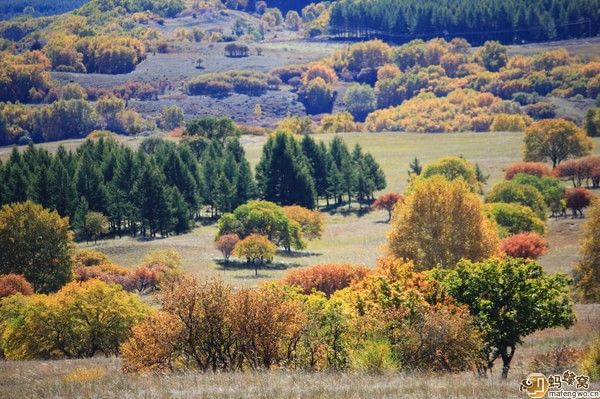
(162, 187)
(11, 8)
(301, 172)
(158, 189)
(510, 21)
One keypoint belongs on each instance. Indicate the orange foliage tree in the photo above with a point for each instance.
(387, 202)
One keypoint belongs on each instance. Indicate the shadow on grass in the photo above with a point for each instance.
(346, 211)
(297, 254)
(236, 265)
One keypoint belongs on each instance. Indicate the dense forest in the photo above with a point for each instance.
(511, 21)
(11, 8)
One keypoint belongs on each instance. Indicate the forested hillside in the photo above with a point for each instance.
(11, 8)
(511, 21)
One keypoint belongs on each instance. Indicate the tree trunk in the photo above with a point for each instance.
(506, 353)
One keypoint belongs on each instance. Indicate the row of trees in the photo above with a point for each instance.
(300, 172)
(512, 21)
(158, 189)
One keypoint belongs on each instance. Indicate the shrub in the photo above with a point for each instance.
(524, 245)
(326, 278)
(226, 244)
(592, 122)
(256, 249)
(340, 122)
(541, 110)
(300, 125)
(285, 73)
(538, 169)
(360, 100)
(11, 284)
(514, 218)
(577, 199)
(223, 83)
(374, 357)
(526, 195)
(557, 360)
(509, 123)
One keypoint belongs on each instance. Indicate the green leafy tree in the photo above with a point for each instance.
(493, 55)
(360, 100)
(510, 299)
(36, 243)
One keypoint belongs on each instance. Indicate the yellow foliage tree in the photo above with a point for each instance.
(439, 223)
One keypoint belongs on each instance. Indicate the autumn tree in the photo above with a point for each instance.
(310, 221)
(587, 274)
(555, 140)
(577, 199)
(226, 244)
(36, 243)
(454, 168)
(524, 245)
(256, 249)
(510, 299)
(387, 202)
(80, 320)
(96, 225)
(439, 223)
(171, 117)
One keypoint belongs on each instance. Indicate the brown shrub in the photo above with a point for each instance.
(11, 284)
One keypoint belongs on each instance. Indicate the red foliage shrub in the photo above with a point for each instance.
(388, 202)
(538, 169)
(11, 284)
(577, 199)
(524, 245)
(326, 278)
(145, 279)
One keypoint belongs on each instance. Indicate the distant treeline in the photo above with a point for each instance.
(509, 21)
(11, 8)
